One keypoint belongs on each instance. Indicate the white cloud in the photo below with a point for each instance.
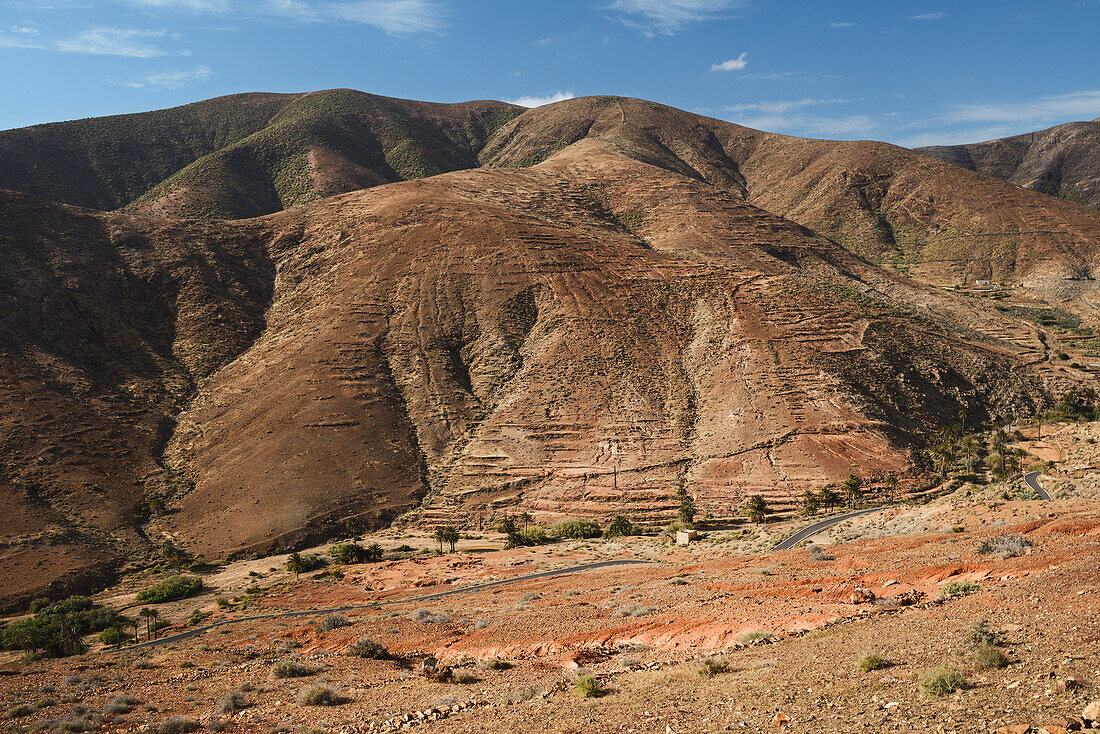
(813, 125)
(961, 137)
(1084, 104)
(129, 42)
(24, 30)
(842, 24)
(783, 116)
(208, 6)
(928, 16)
(781, 107)
(396, 17)
(670, 16)
(543, 42)
(732, 64)
(536, 101)
(173, 79)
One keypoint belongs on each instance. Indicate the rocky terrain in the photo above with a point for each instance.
(1062, 161)
(594, 307)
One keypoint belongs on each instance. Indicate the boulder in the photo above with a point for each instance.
(1092, 711)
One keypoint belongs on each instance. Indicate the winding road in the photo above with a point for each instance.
(426, 597)
(811, 530)
(1032, 479)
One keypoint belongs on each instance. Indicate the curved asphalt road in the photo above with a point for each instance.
(1032, 479)
(439, 594)
(820, 525)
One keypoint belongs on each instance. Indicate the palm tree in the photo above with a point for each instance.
(451, 536)
(526, 519)
(853, 490)
(828, 497)
(969, 446)
(440, 534)
(150, 614)
(756, 509)
(809, 503)
(687, 509)
(295, 564)
(174, 555)
(890, 484)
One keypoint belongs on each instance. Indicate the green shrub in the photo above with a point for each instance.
(712, 665)
(497, 664)
(463, 677)
(231, 703)
(941, 681)
(577, 529)
(171, 589)
(223, 603)
(958, 588)
(619, 526)
(988, 657)
(369, 649)
(56, 629)
(292, 669)
(872, 662)
(586, 686)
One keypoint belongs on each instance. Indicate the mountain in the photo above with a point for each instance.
(245, 155)
(1062, 161)
(605, 301)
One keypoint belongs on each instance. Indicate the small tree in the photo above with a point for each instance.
(809, 503)
(619, 526)
(508, 525)
(373, 552)
(756, 509)
(969, 446)
(295, 564)
(526, 519)
(174, 555)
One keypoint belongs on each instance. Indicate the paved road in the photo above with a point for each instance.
(820, 525)
(1032, 479)
(426, 597)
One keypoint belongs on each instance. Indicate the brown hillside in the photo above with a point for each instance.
(935, 221)
(1062, 161)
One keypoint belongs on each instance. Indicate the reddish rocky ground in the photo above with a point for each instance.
(640, 630)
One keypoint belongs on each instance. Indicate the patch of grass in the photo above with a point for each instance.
(980, 634)
(231, 702)
(427, 616)
(958, 588)
(872, 662)
(20, 710)
(317, 695)
(1005, 546)
(292, 669)
(176, 725)
(463, 677)
(171, 589)
(633, 610)
(333, 621)
(587, 686)
(988, 657)
(496, 664)
(754, 636)
(712, 665)
(942, 681)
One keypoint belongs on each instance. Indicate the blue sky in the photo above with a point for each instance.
(913, 73)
